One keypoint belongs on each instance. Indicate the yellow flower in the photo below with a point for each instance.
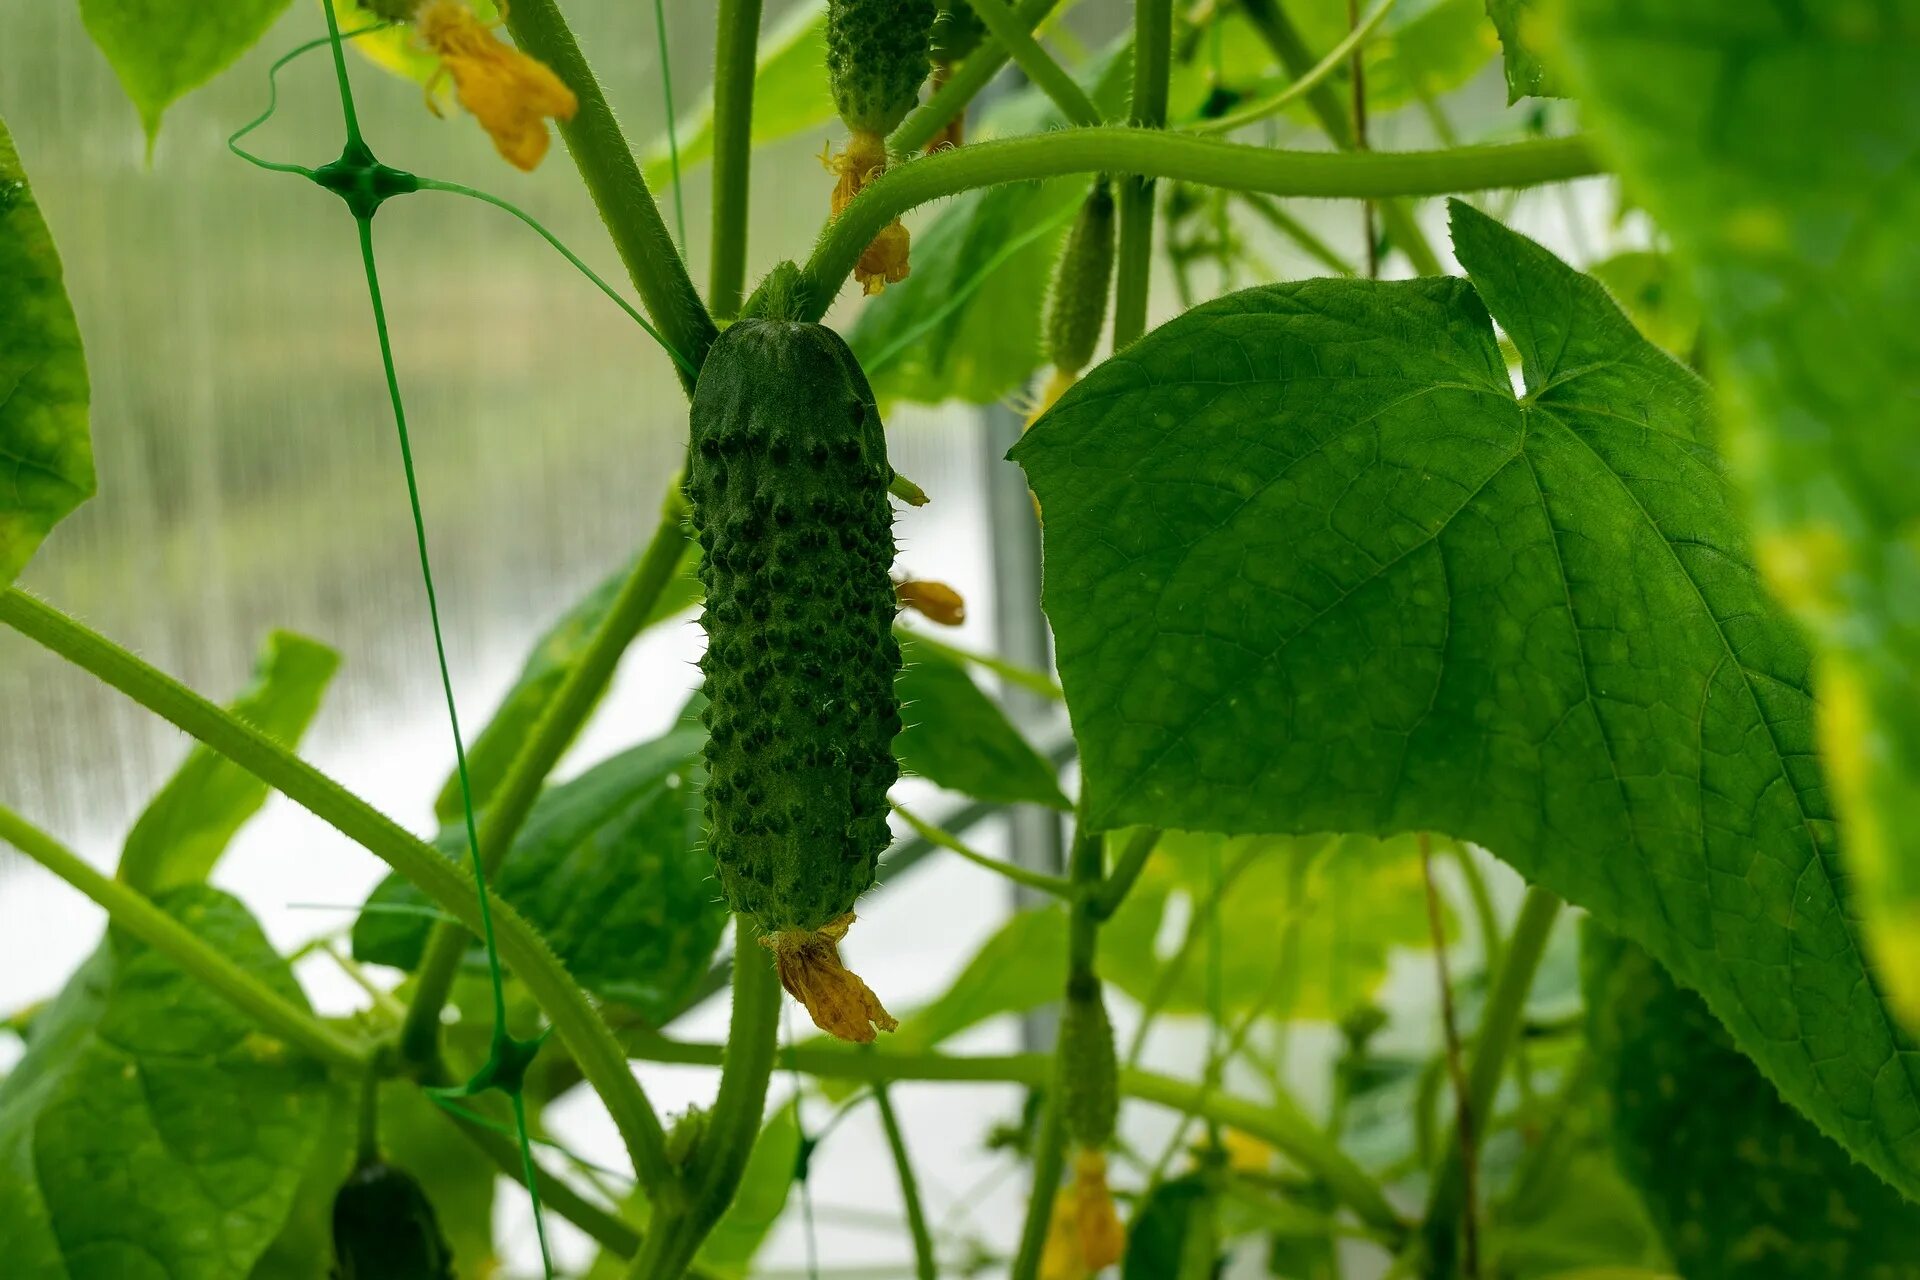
(937, 601)
(884, 261)
(509, 93)
(1084, 1235)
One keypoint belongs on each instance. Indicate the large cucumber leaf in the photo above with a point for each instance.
(160, 51)
(1313, 564)
(609, 867)
(46, 457)
(1740, 1187)
(1779, 145)
(187, 826)
(151, 1130)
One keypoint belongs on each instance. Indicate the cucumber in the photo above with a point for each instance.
(384, 1228)
(877, 58)
(788, 484)
(1077, 300)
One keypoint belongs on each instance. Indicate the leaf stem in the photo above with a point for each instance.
(1133, 257)
(606, 1230)
(559, 724)
(1158, 153)
(1466, 1116)
(746, 1065)
(613, 179)
(925, 1268)
(1298, 232)
(578, 1023)
(1499, 1031)
(967, 80)
(139, 916)
(736, 40)
(1007, 27)
(1037, 880)
(1126, 869)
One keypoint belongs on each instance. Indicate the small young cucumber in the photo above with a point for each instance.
(1089, 1069)
(384, 1228)
(1077, 301)
(877, 58)
(788, 481)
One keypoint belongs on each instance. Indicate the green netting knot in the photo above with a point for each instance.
(362, 181)
(505, 1068)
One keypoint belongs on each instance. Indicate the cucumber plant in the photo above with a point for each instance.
(1416, 593)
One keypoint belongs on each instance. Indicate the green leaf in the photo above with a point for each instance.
(609, 867)
(966, 325)
(46, 457)
(1171, 1237)
(1741, 1187)
(188, 825)
(1519, 23)
(729, 1251)
(790, 96)
(555, 654)
(958, 737)
(1311, 565)
(1779, 146)
(150, 1131)
(1304, 924)
(160, 51)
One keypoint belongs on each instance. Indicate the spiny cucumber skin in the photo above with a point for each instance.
(877, 59)
(1077, 307)
(1090, 1070)
(788, 481)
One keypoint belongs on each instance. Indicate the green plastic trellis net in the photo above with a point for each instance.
(365, 184)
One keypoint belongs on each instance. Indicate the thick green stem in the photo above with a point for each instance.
(746, 1065)
(450, 885)
(1133, 259)
(1158, 153)
(1499, 1031)
(136, 914)
(925, 1268)
(1086, 864)
(558, 725)
(613, 179)
(1271, 21)
(736, 38)
(1280, 1122)
(924, 122)
(1015, 34)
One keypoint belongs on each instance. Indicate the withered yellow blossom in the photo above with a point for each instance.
(1085, 1235)
(884, 261)
(511, 94)
(839, 1003)
(936, 601)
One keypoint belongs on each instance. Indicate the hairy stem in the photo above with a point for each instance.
(558, 725)
(613, 179)
(736, 38)
(1007, 27)
(1133, 258)
(733, 1125)
(923, 1261)
(135, 913)
(578, 1023)
(1158, 153)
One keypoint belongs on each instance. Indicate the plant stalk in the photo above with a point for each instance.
(719, 1159)
(559, 724)
(967, 80)
(139, 916)
(613, 179)
(1015, 35)
(1159, 153)
(1133, 258)
(736, 40)
(925, 1268)
(450, 885)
